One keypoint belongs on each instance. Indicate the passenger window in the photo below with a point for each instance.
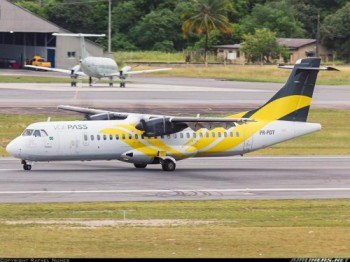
(104, 137)
(37, 133)
(194, 135)
(175, 135)
(136, 136)
(181, 135)
(201, 135)
(188, 135)
(213, 134)
(207, 134)
(27, 132)
(116, 137)
(92, 137)
(130, 136)
(110, 137)
(231, 134)
(98, 137)
(225, 134)
(123, 136)
(219, 134)
(85, 138)
(237, 134)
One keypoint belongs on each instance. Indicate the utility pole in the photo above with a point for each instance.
(318, 32)
(109, 25)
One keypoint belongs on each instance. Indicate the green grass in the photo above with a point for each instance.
(148, 56)
(227, 228)
(332, 139)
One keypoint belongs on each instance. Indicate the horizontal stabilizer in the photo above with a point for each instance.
(79, 35)
(328, 68)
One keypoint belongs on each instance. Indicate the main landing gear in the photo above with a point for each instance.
(26, 166)
(168, 164)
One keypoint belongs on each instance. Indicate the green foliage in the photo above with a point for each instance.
(277, 16)
(262, 46)
(33, 7)
(156, 25)
(335, 32)
(206, 16)
(158, 30)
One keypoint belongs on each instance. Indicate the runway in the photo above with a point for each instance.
(166, 95)
(248, 177)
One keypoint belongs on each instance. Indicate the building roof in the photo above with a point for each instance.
(16, 19)
(291, 43)
(234, 46)
(295, 43)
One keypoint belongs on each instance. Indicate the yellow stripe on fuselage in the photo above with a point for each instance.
(271, 111)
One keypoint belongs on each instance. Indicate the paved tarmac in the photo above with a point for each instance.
(248, 177)
(167, 95)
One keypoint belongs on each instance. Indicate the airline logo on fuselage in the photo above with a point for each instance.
(70, 127)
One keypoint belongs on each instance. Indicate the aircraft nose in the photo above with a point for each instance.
(13, 148)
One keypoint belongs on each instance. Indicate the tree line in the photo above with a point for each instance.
(170, 26)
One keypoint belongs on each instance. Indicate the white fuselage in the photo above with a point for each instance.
(99, 67)
(118, 139)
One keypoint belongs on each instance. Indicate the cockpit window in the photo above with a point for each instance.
(43, 132)
(37, 133)
(27, 132)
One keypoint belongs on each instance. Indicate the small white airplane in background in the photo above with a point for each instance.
(143, 139)
(95, 67)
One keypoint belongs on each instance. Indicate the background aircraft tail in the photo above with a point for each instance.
(84, 52)
(292, 102)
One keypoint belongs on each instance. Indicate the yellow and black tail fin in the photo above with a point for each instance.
(292, 102)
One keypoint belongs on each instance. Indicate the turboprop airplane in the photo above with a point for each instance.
(143, 139)
(95, 67)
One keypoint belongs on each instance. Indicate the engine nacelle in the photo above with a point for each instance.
(159, 126)
(136, 157)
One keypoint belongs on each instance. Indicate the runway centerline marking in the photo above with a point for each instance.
(245, 190)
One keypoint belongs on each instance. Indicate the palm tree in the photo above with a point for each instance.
(205, 16)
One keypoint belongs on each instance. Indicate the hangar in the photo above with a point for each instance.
(24, 34)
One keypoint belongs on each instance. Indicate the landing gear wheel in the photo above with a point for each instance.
(168, 165)
(140, 165)
(122, 84)
(27, 167)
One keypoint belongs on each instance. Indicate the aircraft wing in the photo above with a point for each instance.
(194, 122)
(209, 122)
(95, 114)
(126, 72)
(146, 71)
(64, 71)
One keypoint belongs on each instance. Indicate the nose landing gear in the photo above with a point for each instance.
(26, 166)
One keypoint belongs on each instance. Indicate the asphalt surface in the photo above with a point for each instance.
(248, 177)
(165, 95)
